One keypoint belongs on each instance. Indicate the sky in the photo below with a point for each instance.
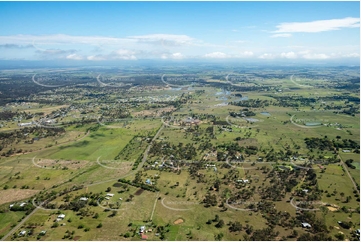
(245, 31)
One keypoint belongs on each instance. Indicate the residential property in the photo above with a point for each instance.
(24, 124)
(142, 229)
(22, 204)
(110, 195)
(83, 199)
(61, 216)
(148, 181)
(22, 233)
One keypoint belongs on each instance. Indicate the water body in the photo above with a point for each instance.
(251, 120)
(266, 113)
(312, 124)
(176, 88)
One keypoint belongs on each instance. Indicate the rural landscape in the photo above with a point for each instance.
(196, 152)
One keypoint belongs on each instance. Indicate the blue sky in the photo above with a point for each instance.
(102, 31)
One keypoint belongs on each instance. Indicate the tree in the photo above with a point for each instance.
(108, 189)
(235, 227)
(220, 224)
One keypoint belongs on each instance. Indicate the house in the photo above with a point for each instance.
(148, 182)
(22, 233)
(61, 216)
(243, 180)
(142, 229)
(306, 225)
(24, 124)
(110, 195)
(11, 205)
(305, 190)
(43, 232)
(346, 151)
(22, 204)
(120, 198)
(83, 199)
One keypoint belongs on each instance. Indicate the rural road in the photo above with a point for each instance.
(349, 175)
(19, 225)
(145, 156)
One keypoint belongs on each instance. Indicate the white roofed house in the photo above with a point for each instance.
(61, 216)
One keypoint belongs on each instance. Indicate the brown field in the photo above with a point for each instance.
(62, 163)
(11, 195)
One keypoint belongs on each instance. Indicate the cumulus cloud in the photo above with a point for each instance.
(313, 56)
(266, 56)
(318, 26)
(216, 55)
(121, 54)
(351, 55)
(172, 56)
(74, 57)
(289, 55)
(164, 39)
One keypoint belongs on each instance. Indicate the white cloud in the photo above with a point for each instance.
(246, 54)
(281, 35)
(266, 56)
(353, 55)
(164, 39)
(289, 55)
(74, 57)
(96, 58)
(216, 55)
(313, 56)
(177, 56)
(318, 26)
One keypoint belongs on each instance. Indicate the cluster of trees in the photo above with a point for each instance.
(137, 183)
(327, 144)
(252, 103)
(180, 152)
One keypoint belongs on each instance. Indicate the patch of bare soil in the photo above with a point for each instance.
(11, 195)
(179, 221)
(70, 164)
(332, 209)
(140, 191)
